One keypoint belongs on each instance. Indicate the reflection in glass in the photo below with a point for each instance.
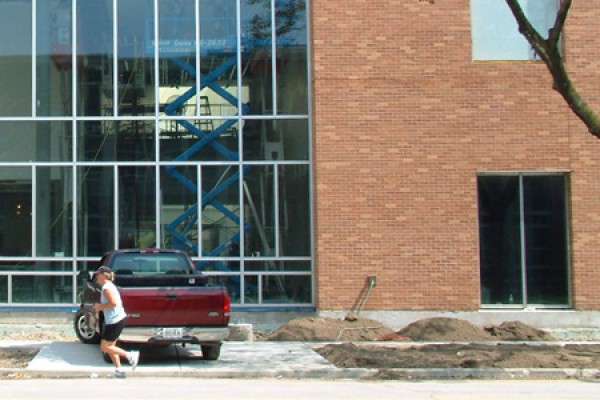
(260, 211)
(177, 53)
(95, 57)
(15, 211)
(291, 62)
(54, 191)
(276, 139)
(36, 266)
(294, 210)
(257, 56)
(35, 141)
(277, 265)
(15, 58)
(54, 58)
(292, 289)
(42, 289)
(136, 57)
(95, 216)
(179, 208)
(116, 140)
(137, 214)
(218, 45)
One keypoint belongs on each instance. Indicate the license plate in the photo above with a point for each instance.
(171, 333)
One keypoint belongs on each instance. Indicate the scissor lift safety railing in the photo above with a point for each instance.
(188, 220)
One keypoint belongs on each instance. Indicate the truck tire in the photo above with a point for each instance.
(84, 334)
(211, 352)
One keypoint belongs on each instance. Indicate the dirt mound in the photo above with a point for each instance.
(444, 329)
(508, 355)
(515, 330)
(426, 330)
(329, 329)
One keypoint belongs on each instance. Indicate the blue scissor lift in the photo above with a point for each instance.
(189, 219)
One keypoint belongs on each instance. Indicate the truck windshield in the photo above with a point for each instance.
(150, 264)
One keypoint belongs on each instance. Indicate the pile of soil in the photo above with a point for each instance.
(329, 330)
(474, 355)
(425, 330)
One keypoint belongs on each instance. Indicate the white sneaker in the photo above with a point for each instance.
(134, 358)
(119, 373)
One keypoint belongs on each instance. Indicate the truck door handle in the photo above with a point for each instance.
(172, 297)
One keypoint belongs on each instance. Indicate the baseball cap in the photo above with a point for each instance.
(103, 269)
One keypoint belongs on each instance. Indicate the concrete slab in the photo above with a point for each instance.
(246, 360)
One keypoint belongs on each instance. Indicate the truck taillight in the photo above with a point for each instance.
(227, 305)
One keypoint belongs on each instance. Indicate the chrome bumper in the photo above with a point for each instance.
(190, 335)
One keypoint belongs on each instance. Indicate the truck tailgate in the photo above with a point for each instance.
(175, 306)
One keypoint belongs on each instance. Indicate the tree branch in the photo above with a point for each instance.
(549, 52)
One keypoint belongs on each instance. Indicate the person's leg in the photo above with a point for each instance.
(114, 352)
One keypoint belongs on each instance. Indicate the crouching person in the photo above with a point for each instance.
(114, 317)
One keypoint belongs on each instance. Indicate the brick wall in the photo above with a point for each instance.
(404, 120)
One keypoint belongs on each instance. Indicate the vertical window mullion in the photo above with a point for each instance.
(116, 209)
(523, 241)
(74, 66)
(274, 56)
(33, 211)
(34, 58)
(198, 65)
(115, 74)
(276, 221)
(199, 226)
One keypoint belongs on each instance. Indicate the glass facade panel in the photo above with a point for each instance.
(136, 58)
(120, 140)
(257, 58)
(219, 95)
(15, 58)
(35, 141)
(177, 51)
(274, 140)
(95, 55)
(200, 140)
(221, 211)
(291, 60)
(15, 211)
(54, 61)
(259, 189)
(95, 211)
(277, 266)
(179, 208)
(131, 128)
(137, 207)
(294, 211)
(54, 191)
(283, 289)
(42, 289)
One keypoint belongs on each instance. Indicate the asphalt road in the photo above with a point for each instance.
(251, 389)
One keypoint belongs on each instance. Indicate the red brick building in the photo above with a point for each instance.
(405, 121)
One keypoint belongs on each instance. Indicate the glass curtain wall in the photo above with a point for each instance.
(155, 123)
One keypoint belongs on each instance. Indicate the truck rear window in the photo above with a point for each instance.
(150, 264)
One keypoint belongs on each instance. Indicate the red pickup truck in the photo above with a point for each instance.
(167, 301)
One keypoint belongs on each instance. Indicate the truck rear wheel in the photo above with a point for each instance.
(84, 334)
(211, 352)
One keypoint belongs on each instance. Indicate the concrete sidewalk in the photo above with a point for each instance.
(294, 360)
